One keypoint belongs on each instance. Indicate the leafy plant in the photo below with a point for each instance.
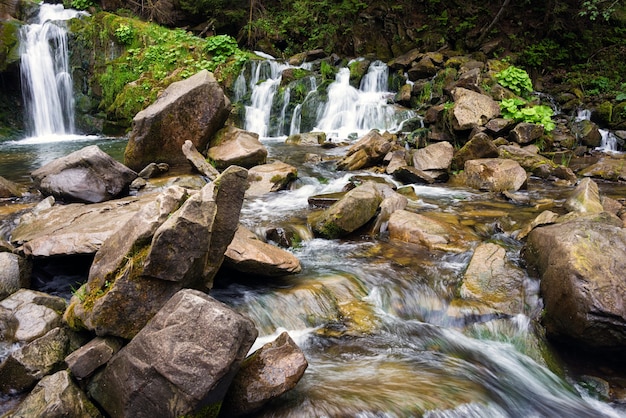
(520, 111)
(516, 80)
(124, 34)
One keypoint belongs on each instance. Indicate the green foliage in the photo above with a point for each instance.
(520, 111)
(221, 47)
(79, 4)
(594, 9)
(327, 71)
(124, 34)
(546, 51)
(516, 80)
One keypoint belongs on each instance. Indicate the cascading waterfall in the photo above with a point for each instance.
(45, 72)
(608, 142)
(346, 111)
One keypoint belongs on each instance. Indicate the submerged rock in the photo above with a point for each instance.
(193, 109)
(181, 362)
(494, 281)
(88, 175)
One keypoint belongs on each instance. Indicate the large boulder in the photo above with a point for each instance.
(56, 396)
(581, 265)
(471, 109)
(268, 373)
(535, 163)
(88, 175)
(525, 133)
(354, 210)
(193, 109)
(492, 280)
(75, 228)
(367, 151)
(248, 254)
(608, 167)
(234, 146)
(159, 252)
(180, 363)
(494, 174)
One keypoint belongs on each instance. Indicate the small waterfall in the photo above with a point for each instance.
(45, 72)
(609, 141)
(347, 110)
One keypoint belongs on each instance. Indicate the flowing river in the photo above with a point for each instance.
(381, 322)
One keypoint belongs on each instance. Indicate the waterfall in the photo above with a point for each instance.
(347, 110)
(45, 72)
(609, 140)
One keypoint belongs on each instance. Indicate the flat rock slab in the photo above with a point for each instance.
(76, 228)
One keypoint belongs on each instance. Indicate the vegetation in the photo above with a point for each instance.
(149, 58)
(520, 111)
(515, 79)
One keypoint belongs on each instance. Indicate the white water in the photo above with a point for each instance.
(609, 140)
(347, 111)
(45, 73)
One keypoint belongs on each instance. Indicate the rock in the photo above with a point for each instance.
(480, 146)
(267, 178)
(608, 168)
(269, 372)
(396, 159)
(424, 68)
(153, 170)
(392, 201)
(114, 253)
(544, 218)
(88, 175)
(404, 60)
(353, 211)
(10, 189)
(436, 156)
(181, 362)
(426, 231)
(198, 161)
(588, 133)
(248, 254)
(499, 125)
(234, 146)
(27, 315)
(535, 163)
(367, 151)
(494, 174)
(410, 175)
(185, 250)
(308, 138)
(525, 133)
(581, 266)
(472, 109)
(56, 396)
(494, 281)
(14, 273)
(74, 228)
(193, 109)
(585, 198)
(31, 362)
(88, 358)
